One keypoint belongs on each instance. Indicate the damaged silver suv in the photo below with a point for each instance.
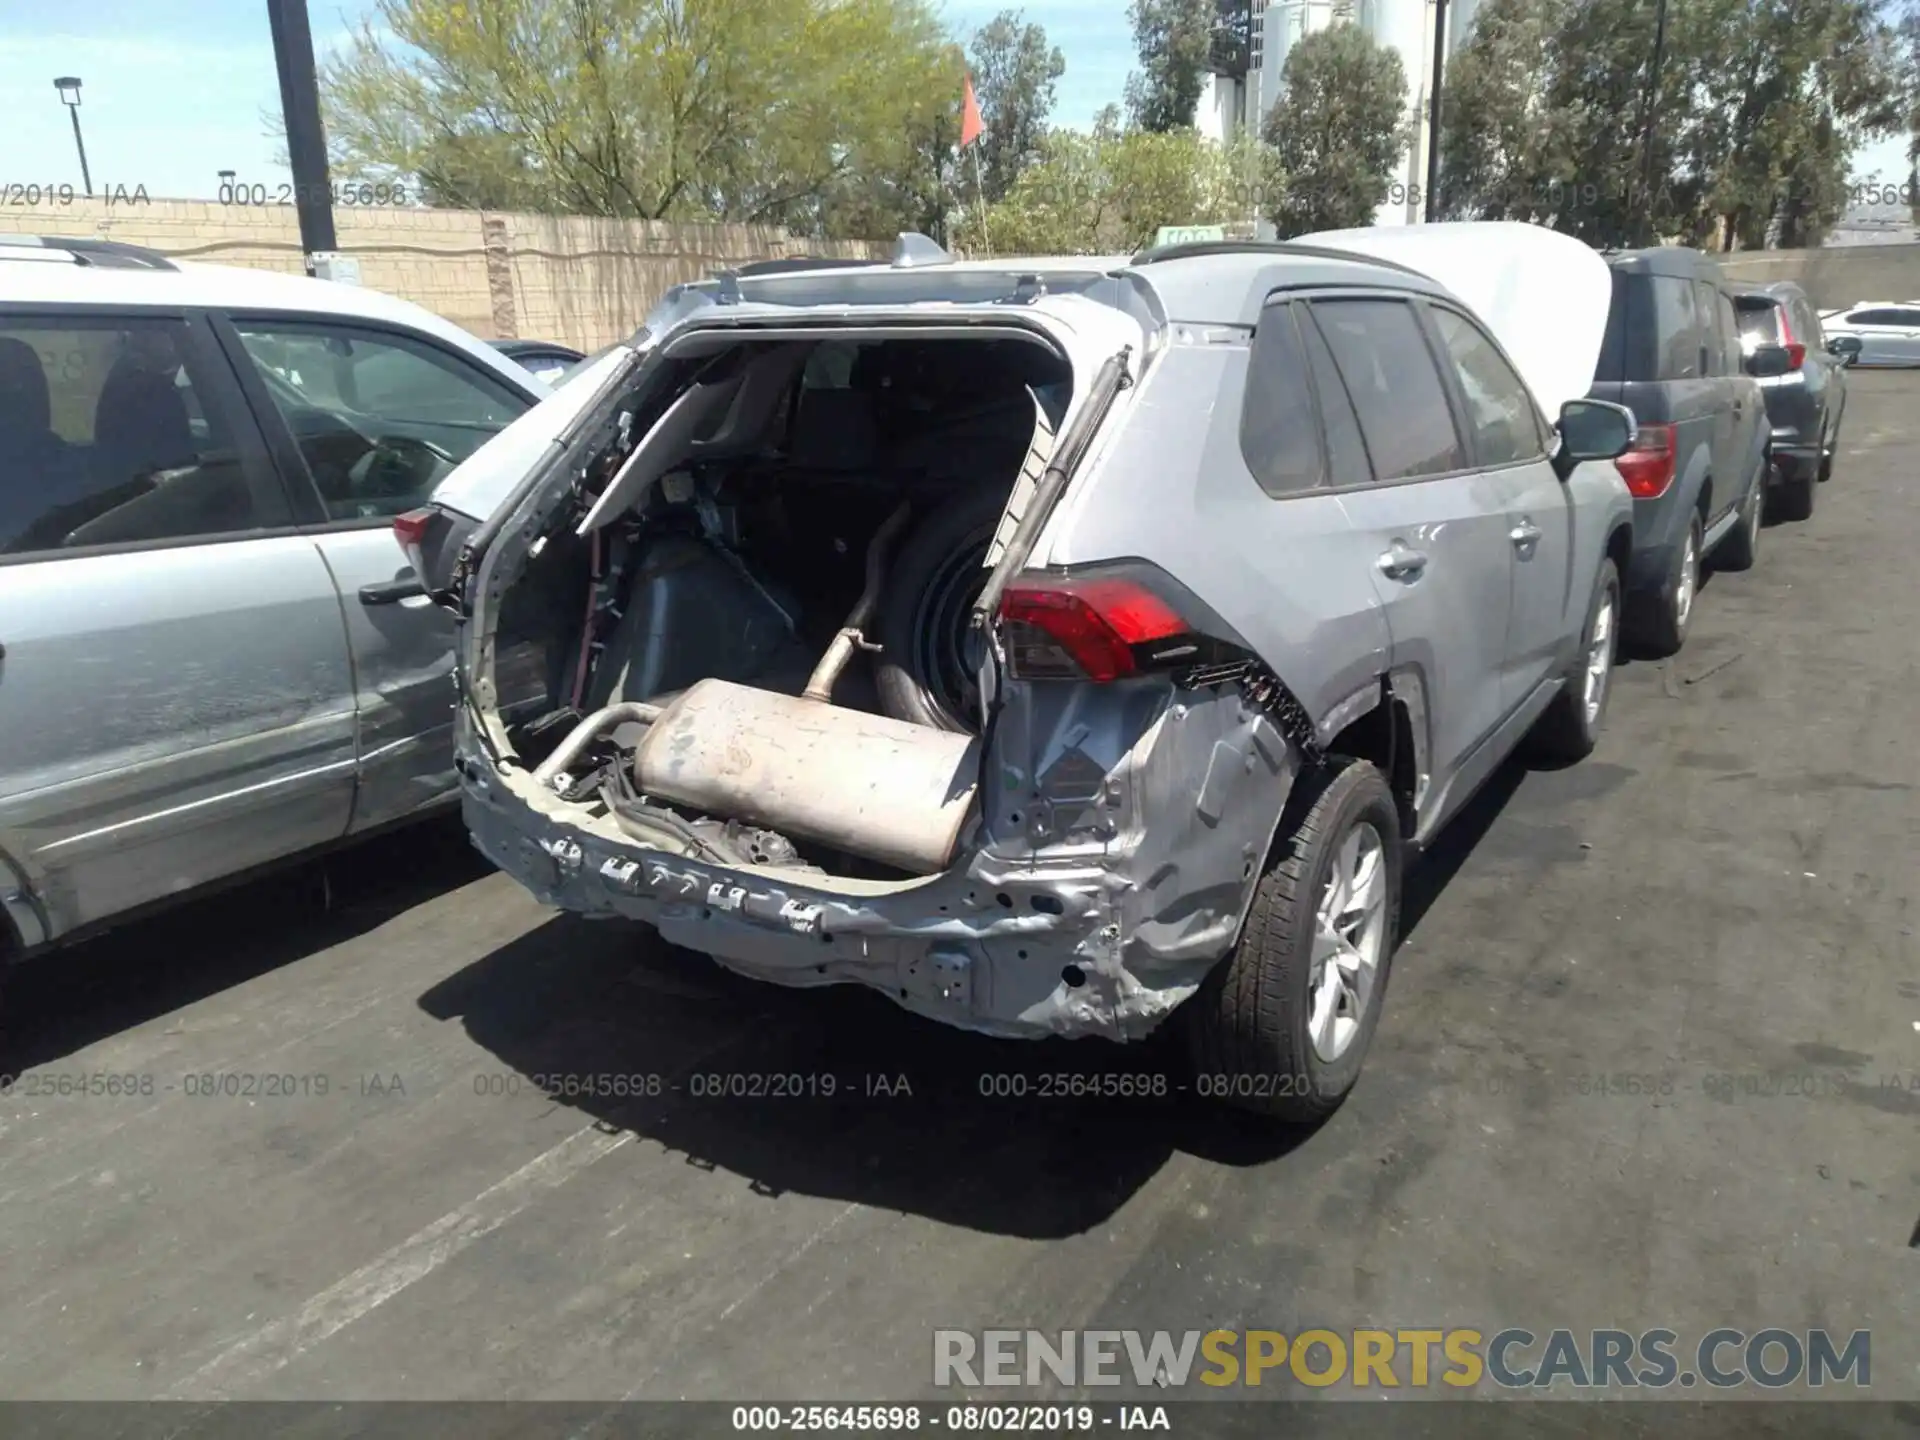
(1049, 644)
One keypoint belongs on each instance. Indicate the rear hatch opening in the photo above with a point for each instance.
(742, 633)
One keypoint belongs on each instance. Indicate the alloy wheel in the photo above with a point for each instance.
(1599, 657)
(1349, 935)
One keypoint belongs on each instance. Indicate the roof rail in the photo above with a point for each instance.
(799, 262)
(1153, 255)
(112, 254)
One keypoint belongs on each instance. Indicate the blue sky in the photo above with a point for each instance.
(175, 89)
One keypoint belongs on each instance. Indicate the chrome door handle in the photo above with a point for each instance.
(1524, 536)
(1401, 563)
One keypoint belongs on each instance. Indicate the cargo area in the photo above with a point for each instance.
(746, 632)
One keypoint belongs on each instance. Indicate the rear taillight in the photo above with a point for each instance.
(1796, 352)
(1647, 466)
(1091, 628)
(410, 530)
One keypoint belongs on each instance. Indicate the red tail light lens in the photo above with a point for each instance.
(1647, 467)
(1796, 352)
(410, 530)
(1088, 629)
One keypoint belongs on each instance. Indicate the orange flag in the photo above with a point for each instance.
(970, 124)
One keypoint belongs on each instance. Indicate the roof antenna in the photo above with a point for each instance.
(913, 250)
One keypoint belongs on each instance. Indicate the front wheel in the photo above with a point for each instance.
(1569, 727)
(1282, 1024)
(1741, 549)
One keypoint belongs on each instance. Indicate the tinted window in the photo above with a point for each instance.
(381, 419)
(1729, 326)
(1277, 432)
(1680, 332)
(1885, 317)
(1499, 408)
(109, 436)
(1347, 462)
(1397, 394)
(1759, 324)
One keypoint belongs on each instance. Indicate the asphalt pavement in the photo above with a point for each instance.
(1650, 1058)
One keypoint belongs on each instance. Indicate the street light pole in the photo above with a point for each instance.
(306, 140)
(69, 88)
(1433, 109)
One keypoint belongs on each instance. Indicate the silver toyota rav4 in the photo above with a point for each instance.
(1049, 644)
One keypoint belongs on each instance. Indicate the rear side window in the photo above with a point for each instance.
(1680, 331)
(110, 434)
(1396, 388)
(1347, 462)
(1806, 324)
(1759, 323)
(1506, 429)
(1278, 435)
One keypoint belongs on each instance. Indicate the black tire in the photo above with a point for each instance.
(1793, 497)
(1566, 731)
(1741, 549)
(925, 671)
(1662, 623)
(1829, 441)
(1247, 1025)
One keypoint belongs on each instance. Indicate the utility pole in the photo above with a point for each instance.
(306, 140)
(1433, 108)
(1647, 120)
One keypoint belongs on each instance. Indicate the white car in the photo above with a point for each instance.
(1888, 330)
(214, 650)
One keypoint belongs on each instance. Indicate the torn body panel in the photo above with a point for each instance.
(1098, 893)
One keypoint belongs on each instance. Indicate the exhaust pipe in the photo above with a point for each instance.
(853, 634)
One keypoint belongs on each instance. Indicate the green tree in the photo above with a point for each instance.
(1014, 75)
(739, 110)
(1173, 39)
(1337, 130)
(1108, 191)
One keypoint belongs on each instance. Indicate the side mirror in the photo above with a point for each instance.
(1767, 361)
(1593, 430)
(1847, 347)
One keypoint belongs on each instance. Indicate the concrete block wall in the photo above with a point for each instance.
(581, 280)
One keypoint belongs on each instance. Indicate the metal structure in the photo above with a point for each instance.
(1230, 52)
(69, 88)
(306, 140)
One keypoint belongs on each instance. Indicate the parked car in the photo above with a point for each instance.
(1698, 465)
(1806, 404)
(212, 652)
(1889, 331)
(544, 358)
(1172, 673)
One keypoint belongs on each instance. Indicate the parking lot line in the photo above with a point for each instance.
(277, 1344)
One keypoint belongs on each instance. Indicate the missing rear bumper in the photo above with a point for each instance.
(1001, 947)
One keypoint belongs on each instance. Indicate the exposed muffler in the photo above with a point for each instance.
(865, 784)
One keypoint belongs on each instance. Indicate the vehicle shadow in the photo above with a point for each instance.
(836, 1092)
(63, 1000)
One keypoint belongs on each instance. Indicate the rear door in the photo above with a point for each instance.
(1436, 526)
(1509, 438)
(176, 698)
(366, 421)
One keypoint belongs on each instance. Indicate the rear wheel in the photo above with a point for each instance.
(1667, 616)
(1282, 1025)
(1829, 439)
